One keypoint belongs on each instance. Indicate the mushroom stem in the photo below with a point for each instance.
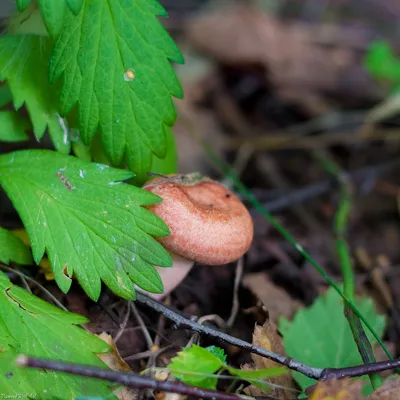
(172, 276)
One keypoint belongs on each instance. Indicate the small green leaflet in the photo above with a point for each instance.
(13, 126)
(29, 325)
(198, 366)
(92, 225)
(320, 335)
(13, 249)
(115, 58)
(193, 363)
(381, 62)
(24, 64)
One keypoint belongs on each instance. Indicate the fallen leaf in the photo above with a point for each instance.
(276, 300)
(334, 389)
(116, 363)
(267, 337)
(321, 336)
(390, 390)
(245, 33)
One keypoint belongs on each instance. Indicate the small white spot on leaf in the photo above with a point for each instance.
(129, 75)
(101, 167)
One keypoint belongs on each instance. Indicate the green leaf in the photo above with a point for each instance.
(13, 249)
(29, 325)
(381, 62)
(91, 224)
(13, 127)
(195, 366)
(166, 165)
(24, 63)
(22, 4)
(217, 352)
(192, 363)
(53, 13)
(75, 5)
(5, 95)
(81, 150)
(320, 335)
(115, 60)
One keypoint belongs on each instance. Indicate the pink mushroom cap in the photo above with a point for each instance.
(208, 223)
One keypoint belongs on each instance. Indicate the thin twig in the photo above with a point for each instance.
(25, 283)
(235, 301)
(127, 379)
(41, 287)
(123, 325)
(297, 196)
(312, 372)
(185, 323)
(277, 141)
(149, 354)
(142, 325)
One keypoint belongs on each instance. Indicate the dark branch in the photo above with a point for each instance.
(126, 379)
(312, 372)
(363, 176)
(359, 370)
(185, 323)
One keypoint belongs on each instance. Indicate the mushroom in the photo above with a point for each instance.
(208, 224)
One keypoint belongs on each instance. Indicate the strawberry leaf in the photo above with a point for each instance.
(24, 64)
(29, 325)
(115, 61)
(13, 249)
(320, 335)
(91, 224)
(193, 364)
(200, 366)
(13, 127)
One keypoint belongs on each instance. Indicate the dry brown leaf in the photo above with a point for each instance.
(246, 34)
(276, 300)
(334, 389)
(390, 390)
(114, 361)
(267, 337)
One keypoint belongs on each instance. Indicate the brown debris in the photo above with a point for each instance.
(344, 389)
(276, 300)
(247, 34)
(390, 390)
(267, 337)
